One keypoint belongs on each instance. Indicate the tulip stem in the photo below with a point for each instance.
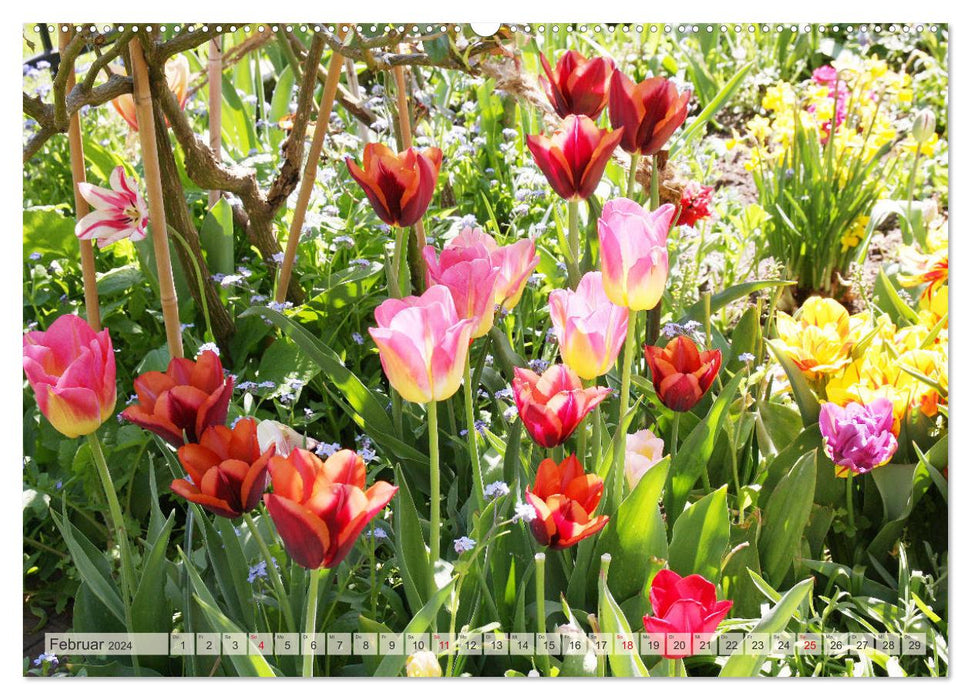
(117, 523)
(402, 285)
(470, 434)
(620, 437)
(632, 175)
(310, 621)
(435, 487)
(573, 211)
(675, 425)
(541, 611)
(597, 439)
(272, 570)
(655, 183)
(849, 502)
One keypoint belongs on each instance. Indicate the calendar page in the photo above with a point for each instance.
(412, 349)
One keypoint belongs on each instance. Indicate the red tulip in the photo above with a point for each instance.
(551, 406)
(564, 498)
(320, 508)
(684, 606)
(579, 85)
(681, 375)
(573, 160)
(649, 112)
(189, 396)
(227, 469)
(398, 185)
(72, 372)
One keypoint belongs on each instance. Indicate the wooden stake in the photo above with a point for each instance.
(156, 210)
(310, 172)
(404, 123)
(81, 207)
(215, 105)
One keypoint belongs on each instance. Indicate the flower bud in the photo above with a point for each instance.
(924, 126)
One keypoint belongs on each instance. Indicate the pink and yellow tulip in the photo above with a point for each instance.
(590, 329)
(72, 372)
(177, 75)
(466, 268)
(423, 344)
(634, 253)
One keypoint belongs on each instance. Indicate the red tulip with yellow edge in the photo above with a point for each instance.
(227, 470)
(574, 158)
(187, 398)
(649, 112)
(564, 498)
(680, 373)
(319, 508)
(398, 185)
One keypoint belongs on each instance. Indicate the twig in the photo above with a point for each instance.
(91, 310)
(310, 170)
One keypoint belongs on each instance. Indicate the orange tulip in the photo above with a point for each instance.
(681, 375)
(564, 498)
(177, 76)
(320, 508)
(227, 469)
(398, 185)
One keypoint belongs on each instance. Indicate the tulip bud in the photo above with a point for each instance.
(924, 126)
(423, 664)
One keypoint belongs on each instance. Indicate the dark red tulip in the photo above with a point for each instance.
(320, 508)
(649, 112)
(398, 185)
(189, 396)
(227, 470)
(578, 85)
(573, 160)
(681, 375)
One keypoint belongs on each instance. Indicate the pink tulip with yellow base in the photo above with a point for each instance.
(424, 345)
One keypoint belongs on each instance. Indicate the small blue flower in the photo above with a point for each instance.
(258, 571)
(692, 325)
(357, 338)
(496, 489)
(34, 256)
(257, 299)
(360, 262)
(185, 326)
(326, 449)
(538, 365)
(480, 426)
(217, 277)
(380, 534)
(277, 258)
(746, 357)
(280, 305)
(246, 386)
(208, 346)
(506, 394)
(49, 658)
(309, 412)
(368, 454)
(343, 240)
(268, 384)
(464, 544)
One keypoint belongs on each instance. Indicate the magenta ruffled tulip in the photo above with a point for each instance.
(685, 605)
(72, 372)
(423, 344)
(634, 253)
(590, 329)
(858, 437)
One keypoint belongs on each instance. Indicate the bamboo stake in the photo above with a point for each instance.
(310, 172)
(215, 106)
(81, 207)
(156, 211)
(404, 123)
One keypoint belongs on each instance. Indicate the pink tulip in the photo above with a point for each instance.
(516, 263)
(467, 269)
(589, 327)
(634, 253)
(119, 212)
(72, 372)
(177, 75)
(423, 344)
